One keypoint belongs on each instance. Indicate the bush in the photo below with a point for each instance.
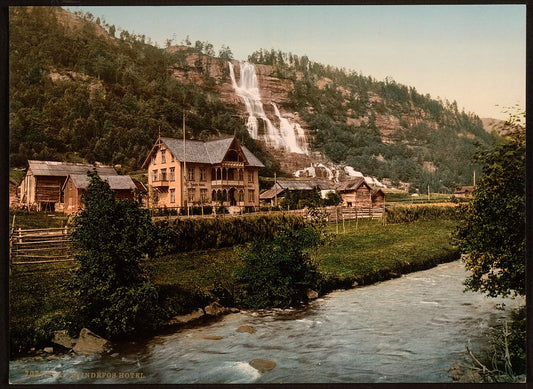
(182, 235)
(408, 214)
(277, 273)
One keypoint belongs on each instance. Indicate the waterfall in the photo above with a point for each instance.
(288, 136)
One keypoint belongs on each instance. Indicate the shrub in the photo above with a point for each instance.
(408, 214)
(277, 273)
(184, 235)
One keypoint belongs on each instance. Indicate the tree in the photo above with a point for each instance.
(110, 237)
(492, 229)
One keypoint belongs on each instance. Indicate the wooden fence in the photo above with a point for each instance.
(42, 245)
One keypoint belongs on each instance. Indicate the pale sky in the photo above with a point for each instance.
(474, 54)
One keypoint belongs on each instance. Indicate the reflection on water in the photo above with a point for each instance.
(410, 329)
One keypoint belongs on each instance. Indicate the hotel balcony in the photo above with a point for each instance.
(161, 182)
(226, 183)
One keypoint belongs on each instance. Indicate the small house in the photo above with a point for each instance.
(41, 187)
(355, 193)
(76, 185)
(378, 198)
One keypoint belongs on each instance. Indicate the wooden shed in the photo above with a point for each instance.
(355, 193)
(378, 198)
(41, 187)
(76, 184)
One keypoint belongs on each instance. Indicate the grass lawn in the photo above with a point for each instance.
(368, 247)
(371, 252)
(32, 220)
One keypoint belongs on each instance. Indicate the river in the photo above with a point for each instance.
(409, 329)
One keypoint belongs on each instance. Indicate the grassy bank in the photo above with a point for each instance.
(369, 251)
(366, 252)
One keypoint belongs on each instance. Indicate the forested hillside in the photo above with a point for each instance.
(381, 128)
(78, 93)
(82, 90)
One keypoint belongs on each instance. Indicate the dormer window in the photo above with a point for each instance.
(163, 156)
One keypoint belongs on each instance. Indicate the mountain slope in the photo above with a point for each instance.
(77, 92)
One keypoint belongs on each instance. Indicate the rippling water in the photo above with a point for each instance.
(409, 329)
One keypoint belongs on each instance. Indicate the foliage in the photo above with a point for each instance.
(411, 213)
(277, 273)
(506, 361)
(182, 235)
(342, 107)
(110, 237)
(492, 228)
(78, 93)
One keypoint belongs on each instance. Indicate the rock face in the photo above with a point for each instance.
(262, 365)
(90, 343)
(62, 338)
(246, 328)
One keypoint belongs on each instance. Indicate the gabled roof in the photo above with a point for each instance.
(63, 169)
(271, 193)
(81, 181)
(376, 192)
(350, 185)
(210, 152)
(305, 184)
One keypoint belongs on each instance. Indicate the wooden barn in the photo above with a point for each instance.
(76, 184)
(281, 187)
(378, 199)
(41, 187)
(355, 193)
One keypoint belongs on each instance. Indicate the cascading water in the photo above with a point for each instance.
(289, 137)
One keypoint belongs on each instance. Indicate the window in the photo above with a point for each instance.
(203, 195)
(241, 175)
(250, 176)
(163, 174)
(192, 194)
(203, 174)
(191, 174)
(163, 156)
(172, 176)
(153, 160)
(241, 196)
(172, 157)
(154, 175)
(172, 195)
(251, 196)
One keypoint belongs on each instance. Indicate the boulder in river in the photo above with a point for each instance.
(215, 309)
(212, 337)
(311, 294)
(183, 319)
(62, 338)
(90, 343)
(246, 328)
(262, 365)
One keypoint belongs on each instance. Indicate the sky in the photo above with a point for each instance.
(473, 54)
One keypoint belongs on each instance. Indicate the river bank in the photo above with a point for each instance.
(409, 329)
(362, 253)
